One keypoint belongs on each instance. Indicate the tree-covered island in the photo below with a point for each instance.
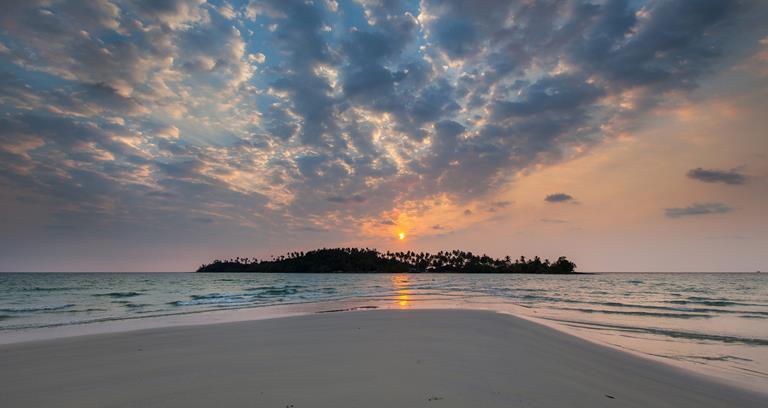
(365, 260)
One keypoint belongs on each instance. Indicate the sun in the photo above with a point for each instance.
(401, 236)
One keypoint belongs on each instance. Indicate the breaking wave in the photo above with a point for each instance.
(28, 309)
(118, 294)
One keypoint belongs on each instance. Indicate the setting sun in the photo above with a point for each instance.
(401, 236)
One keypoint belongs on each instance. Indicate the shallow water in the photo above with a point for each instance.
(715, 323)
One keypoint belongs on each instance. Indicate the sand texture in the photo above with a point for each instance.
(431, 358)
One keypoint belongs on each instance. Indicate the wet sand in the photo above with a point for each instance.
(384, 358)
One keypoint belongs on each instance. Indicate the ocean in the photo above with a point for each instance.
(714, 323)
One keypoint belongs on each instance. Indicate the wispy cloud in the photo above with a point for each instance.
(498, 205)
(697, 209)
(355, 198)
(730, 177)
(559, 198)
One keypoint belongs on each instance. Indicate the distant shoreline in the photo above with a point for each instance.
(365, 260)
(419, 272)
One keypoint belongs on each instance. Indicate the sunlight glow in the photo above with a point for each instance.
(400, 283)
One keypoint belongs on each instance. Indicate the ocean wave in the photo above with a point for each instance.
(210, 301)
(216, 295)
(512, 289)
(678, 334)
(44, 289)
(216, 298)
(328, 290)
(712, 302)
(572, 301)
(140, 314)
(718, 358)
(147, 311)
(654, 307)
(716, 303)
(680, 309)
(349, 309)
(546, 298)
(279, 292)
(636, 313)
(256, 288)
(135, 305)
(118, 294)
(89, 310)
(695, 289)
(26, 309)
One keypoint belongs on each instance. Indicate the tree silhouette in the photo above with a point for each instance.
(328, 260)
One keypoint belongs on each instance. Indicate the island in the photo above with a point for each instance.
(366, 260)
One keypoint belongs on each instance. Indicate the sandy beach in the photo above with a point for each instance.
(448, 358)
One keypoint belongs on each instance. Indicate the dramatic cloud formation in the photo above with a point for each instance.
(357, 117)
(731, 177)
(558, 198)
(697, 209)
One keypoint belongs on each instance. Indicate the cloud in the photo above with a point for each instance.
(697, 209)
(558, 198)
(498, 205)
(289, 111)
(730, 177)
(258, 57)
(560, 93)
(355, 199)
(170, 12)
(310, 228)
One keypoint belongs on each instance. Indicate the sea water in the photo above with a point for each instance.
(716, 323)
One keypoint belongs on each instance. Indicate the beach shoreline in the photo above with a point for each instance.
(359, 358)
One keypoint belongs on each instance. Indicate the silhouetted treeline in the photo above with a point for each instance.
(371, 260)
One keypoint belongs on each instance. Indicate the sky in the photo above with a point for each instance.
(157, 135)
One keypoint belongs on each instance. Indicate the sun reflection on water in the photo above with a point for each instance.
(400, 282)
